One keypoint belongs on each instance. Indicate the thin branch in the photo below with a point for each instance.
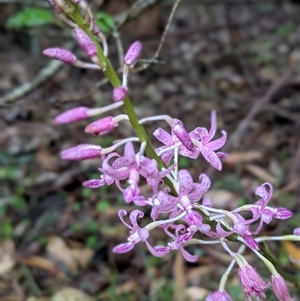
(135, 10)
(99, 84)
(238, 133)
(44, 74)
(166, 29)
(119, 45)
(162, 39)
(20, 91)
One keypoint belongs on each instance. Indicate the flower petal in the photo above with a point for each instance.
(123, 248)
(94, 183)
(211, 158)
(186, 182)
(163, 136)
(216, 144)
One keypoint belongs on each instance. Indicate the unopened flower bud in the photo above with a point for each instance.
(119, 93)
(85, 42)
(280, 289)
(72, 115)
(81, 152)
(61, 54)
(133, 53)
(182, 135)
(101, 126)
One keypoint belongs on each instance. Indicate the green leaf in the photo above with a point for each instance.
(2, 210)
(92, 241)
(28, 17)
(86, 192)
(103, 27)
(76, 206)
(102, 206)
(105, 21)
(6, 230)
(18, 203)
(184, 162)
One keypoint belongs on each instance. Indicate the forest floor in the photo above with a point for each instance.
(238, 58)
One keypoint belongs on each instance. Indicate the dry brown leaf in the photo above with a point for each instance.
(46, 160)
(44, 264)
(293, 252)
(289, 187)
(70, 294)
(222, 198)
(121, 289)
(275, 168)
(71, 258)
(261, 173)
(7, 256)
(83, 256)
(195, 275)
(236, 158)
(196, 293)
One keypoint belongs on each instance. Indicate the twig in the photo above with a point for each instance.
(295, 164)
(66, 214)
(135, 10)
(25, 88)
(281, 112)
(166, 28)
(237, 134)
(179, 278)
(99, 84)
(119, 45)
(292, 185)
(162, 39)
(44, 74)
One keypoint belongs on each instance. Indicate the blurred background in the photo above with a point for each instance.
(240, 58)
